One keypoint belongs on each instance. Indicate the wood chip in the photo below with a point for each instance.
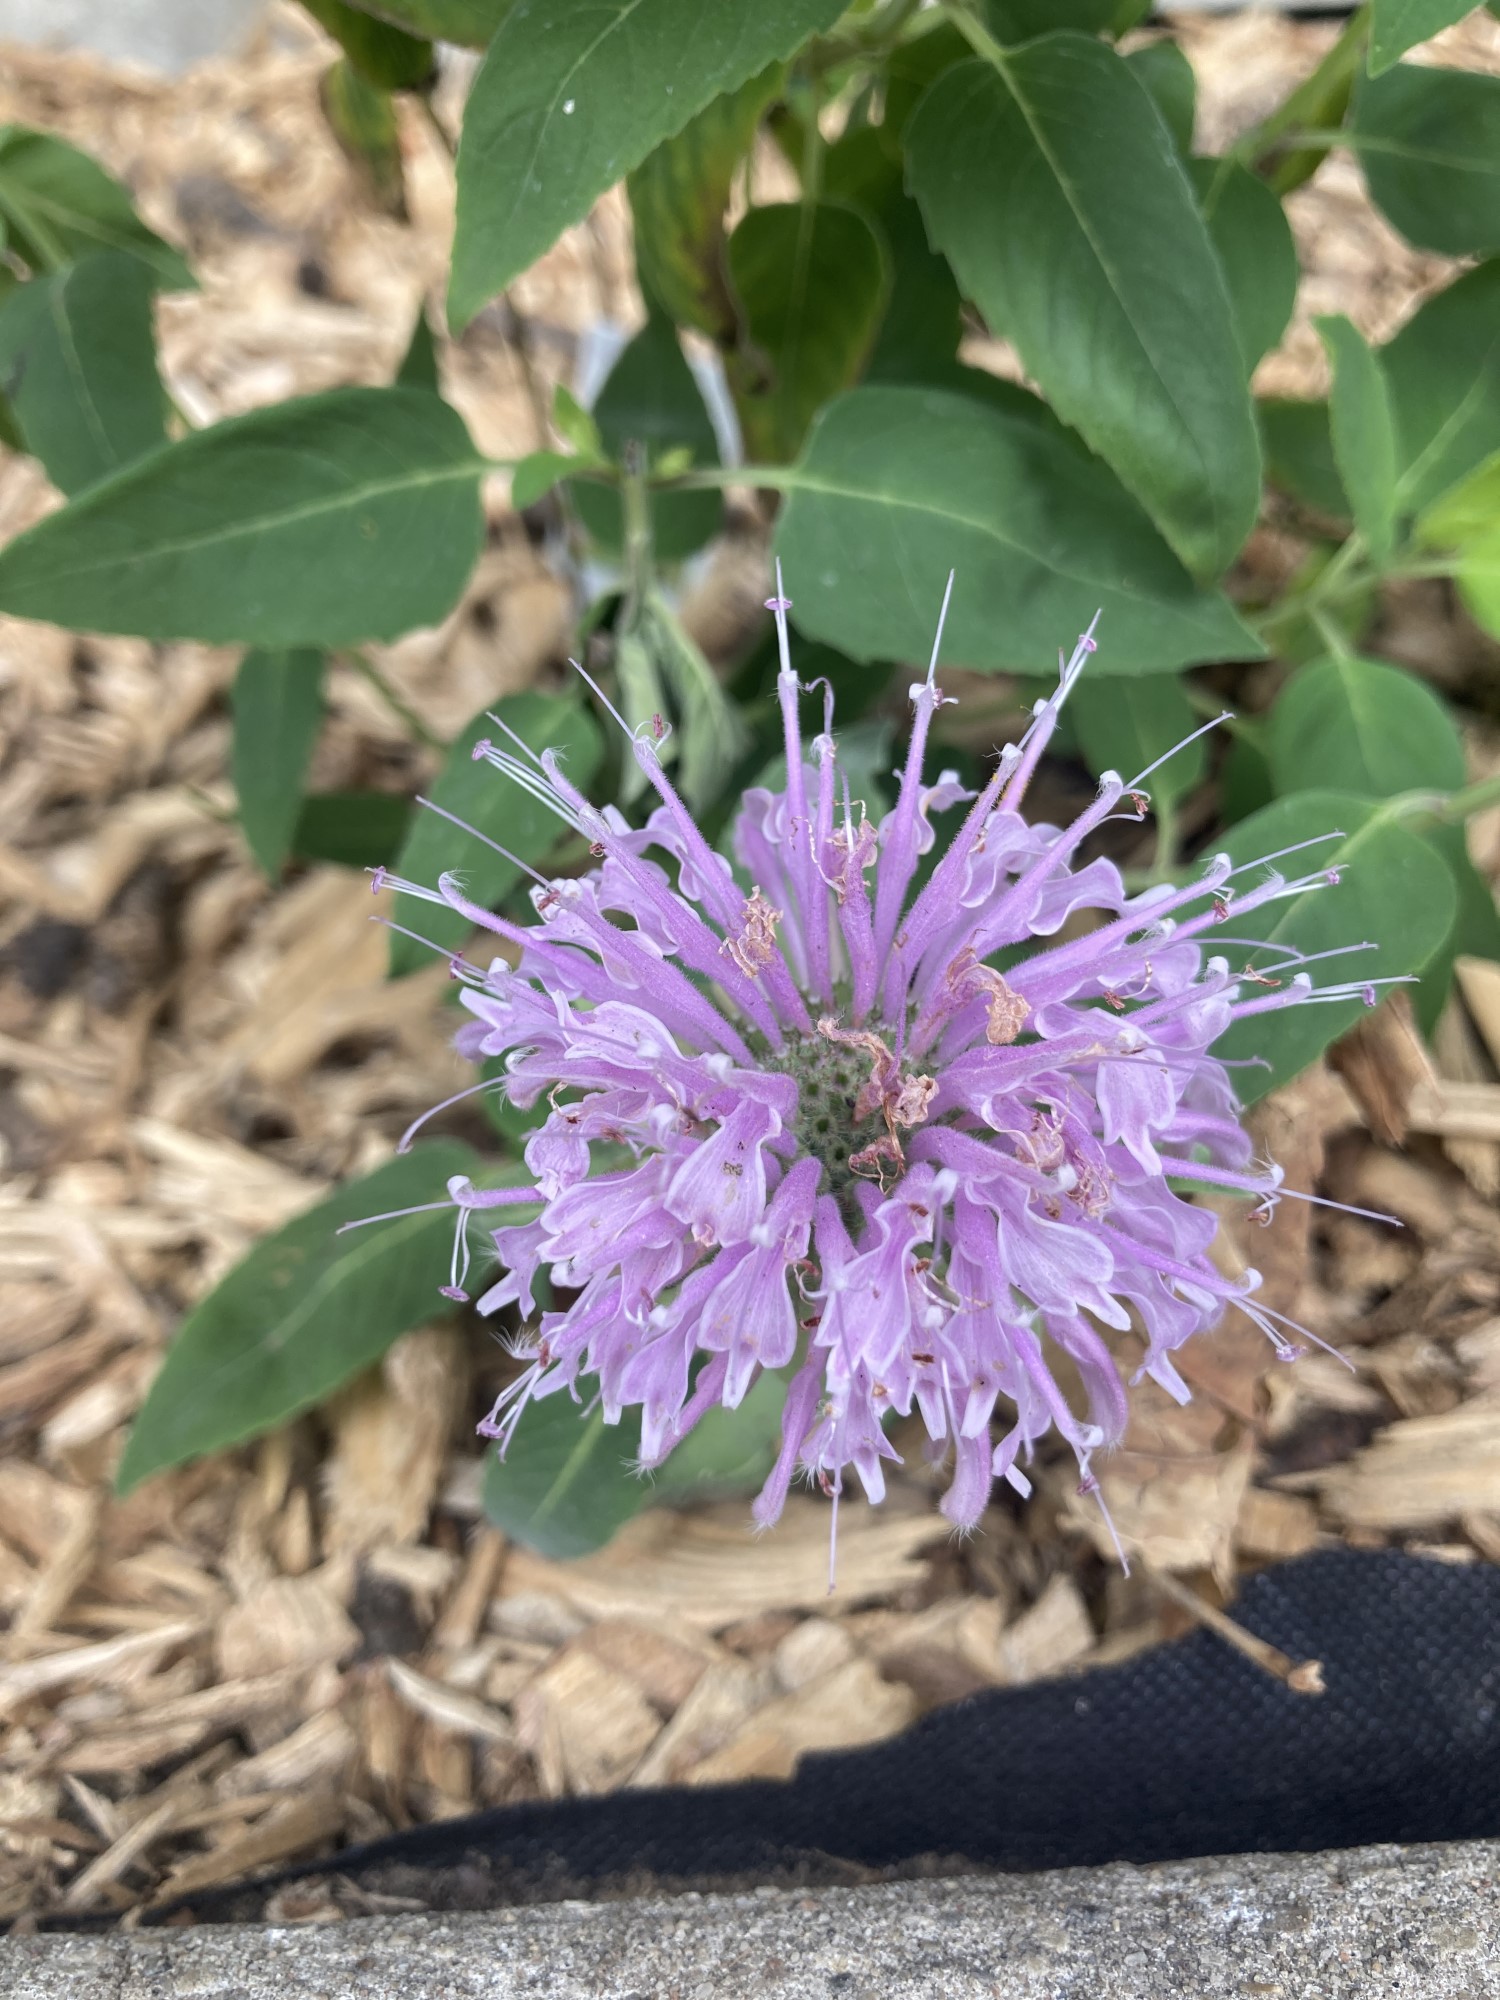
(1385, 1061)
(285, 1832)
(1479, 983)
(390, 1440)
(317, 1753)
(446, 1705)
(1049, 1638)
(585, 1725)
(707, 1570)
(101, 1662)
(464, 1612)
(1456, 1110)
(809, 1651)
(1275, 1526)
(1421, 1473)
(839, 1710)
(108, 1867)
(665, 1665)
(290, 1621)
(721, 1701)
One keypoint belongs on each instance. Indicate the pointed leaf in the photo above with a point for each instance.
(362, 118)
(923, 320)
(898, 486)
(419, 364)
(355, 829)
(78, 365)
(497, 809)
(712, 733)
(537, 474)
(1299, 454)
(569, 99)
(1393, 889)
(1443, 373)
(1364, 434)
(1249, 230)
(1398, 25)
(58, 205)
(470, 23)
(1467, 521)
(328, 520)
(1429, 142)
(303, 1312)
(1051, 183)
(812, 279)
(278, 710)
(678, 195)
(385, 55)
(1168, 75)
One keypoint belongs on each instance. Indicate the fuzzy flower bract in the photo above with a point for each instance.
(906, 1127)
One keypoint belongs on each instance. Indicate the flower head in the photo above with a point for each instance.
(908, 1132)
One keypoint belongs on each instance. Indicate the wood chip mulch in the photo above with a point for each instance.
(317, 1639)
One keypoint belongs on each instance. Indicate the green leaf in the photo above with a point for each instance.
(1124, 725)
(1249, 230)
(470, 23)
(898, 486)
(1244, 780)
(1168, 76)
(574, 424)
(570, 99)
(678, 195)
(1429, 142)
(923, 321)
(1299, 454)
(78, 364)
(1466, 520)
(1361, 726)
(1051, 183)
(1393, 888)
(58, 205)
(355, 829)
(362, 118)
(812, 280)
(278, 710)
(566, 1485)
(497, 809)
(1443, 373)
(1020, 20)
(537, 474)
(652, 400)
(419, 364)
(1364, 433)
(1398, 25)
(327, 520)
(384, 55)
(911, 69)
(305, 1311)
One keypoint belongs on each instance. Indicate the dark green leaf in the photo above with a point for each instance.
(1361, 726)
(1443, 373)
(470, 23)
(898, 486)
(652, 400)
(1364, 433)
(1319, 103)
(567, 1484)
(1244, 780)
(1299, 454)
(419, 364)
(812, 280)
(278, 709)
(78, 367)
(355, 829)
(1052, 186)
(1124, 725)
(1429, 142)
(1168, 75)
(569, 99)
(329, 520)
(497, 809)
(385, 55)
(678, 195)
(303, 1312)
(1393, 888)
(1020, 20)
(711, 735)
(923, 320)
(1249, 230)
(362, 118)
(911, 69)
(58, 205)
(1398, 25)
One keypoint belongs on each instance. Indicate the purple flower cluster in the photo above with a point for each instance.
(905, 1132)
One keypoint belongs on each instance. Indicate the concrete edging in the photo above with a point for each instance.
(1375, 1923)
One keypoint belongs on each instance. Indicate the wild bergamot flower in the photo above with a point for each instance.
(892, 1129)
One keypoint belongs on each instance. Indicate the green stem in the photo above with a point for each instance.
(1322, 98)
(635, 503)
(1164, 810)
(397, 704)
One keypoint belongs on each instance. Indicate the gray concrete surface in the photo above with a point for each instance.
(155, 34)
(1421, 1923)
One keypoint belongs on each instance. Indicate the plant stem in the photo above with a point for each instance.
(397, 704)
